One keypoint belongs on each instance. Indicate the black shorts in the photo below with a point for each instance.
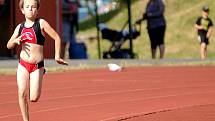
(202, 38)
(156, 36)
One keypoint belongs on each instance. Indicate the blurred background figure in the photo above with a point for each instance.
(156, 25)
(70, 24)
(204, 27)
(1, 6)
(1, 2)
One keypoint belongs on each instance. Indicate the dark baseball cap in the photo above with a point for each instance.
(205, 8)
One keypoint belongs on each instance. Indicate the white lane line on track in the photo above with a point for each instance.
(71, 88)
(111, 102)
(109, 92)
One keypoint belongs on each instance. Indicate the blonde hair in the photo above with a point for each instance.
(21, 3)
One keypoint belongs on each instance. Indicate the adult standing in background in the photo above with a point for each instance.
(156, 25)
(70, 23)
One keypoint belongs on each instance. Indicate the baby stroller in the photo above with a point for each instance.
(118, 38)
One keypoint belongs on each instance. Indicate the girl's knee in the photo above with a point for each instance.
(22, 93)
(34, 98)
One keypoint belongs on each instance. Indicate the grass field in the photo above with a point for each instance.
(180, 37)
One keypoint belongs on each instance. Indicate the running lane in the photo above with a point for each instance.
(134, 94)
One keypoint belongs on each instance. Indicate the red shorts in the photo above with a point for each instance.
(31, 67)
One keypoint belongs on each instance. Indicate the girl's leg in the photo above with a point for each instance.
(36, 84)
(22, 80)
(203, 50)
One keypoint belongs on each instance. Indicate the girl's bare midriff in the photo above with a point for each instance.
(31, 53)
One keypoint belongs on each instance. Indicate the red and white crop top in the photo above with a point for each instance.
(32, 34)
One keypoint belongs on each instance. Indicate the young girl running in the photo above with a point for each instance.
(30, 36)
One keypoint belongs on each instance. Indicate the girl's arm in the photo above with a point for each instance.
(54, 35)
(14, 40)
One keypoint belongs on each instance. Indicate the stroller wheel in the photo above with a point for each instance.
(105, 55)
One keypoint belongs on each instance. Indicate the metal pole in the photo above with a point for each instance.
(97, 27)
(130, 26)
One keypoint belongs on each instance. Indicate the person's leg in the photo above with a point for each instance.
(66, 38)
(160, 40)
(154, 51)
(63, 49)
(72, 40)
(152, 37)
(162, 51)
(206, 51)
(36, 84)
(22, 79)
(203, 50)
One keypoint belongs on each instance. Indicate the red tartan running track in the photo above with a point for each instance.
(160, 93)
